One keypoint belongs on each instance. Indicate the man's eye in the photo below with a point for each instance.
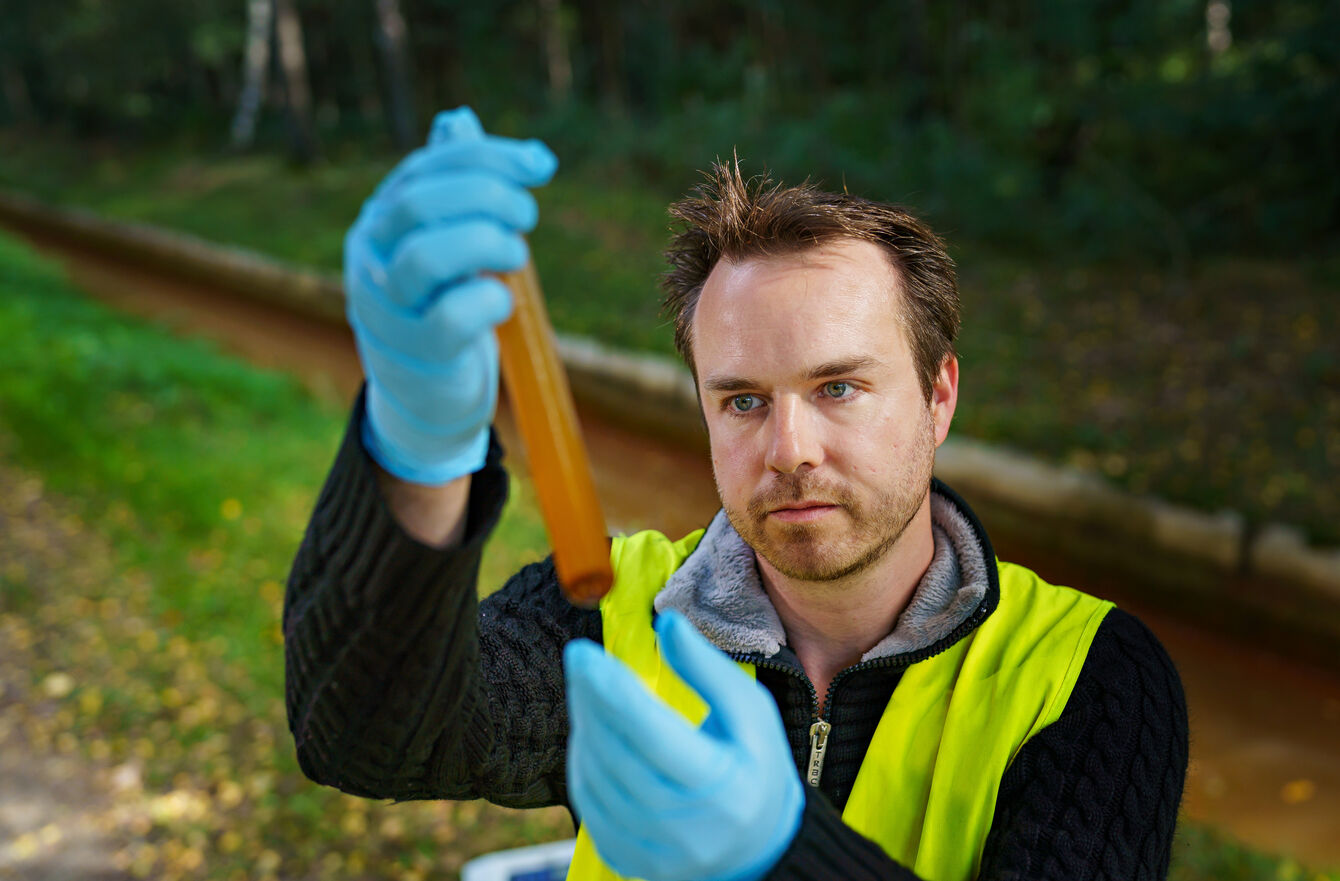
(743, 403)
(837, 389)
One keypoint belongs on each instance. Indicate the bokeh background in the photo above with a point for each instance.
(1143, 198)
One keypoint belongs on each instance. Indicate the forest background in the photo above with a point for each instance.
(1144, 197)
(1151, 129)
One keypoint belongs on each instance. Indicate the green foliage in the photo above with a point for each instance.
(1104, 129)
(1211, 384)
(1219, 394)
(1204, 854)
(600, 255)
(599, 249)
(209, 454)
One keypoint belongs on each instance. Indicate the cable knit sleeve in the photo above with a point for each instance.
(1095, 795)
(388, 692)
(1092, 797)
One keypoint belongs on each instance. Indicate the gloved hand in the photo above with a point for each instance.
(422, 309)
(663, 800)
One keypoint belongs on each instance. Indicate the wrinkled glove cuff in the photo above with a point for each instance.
(467, 460)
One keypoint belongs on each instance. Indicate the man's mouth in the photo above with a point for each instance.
(802, 512)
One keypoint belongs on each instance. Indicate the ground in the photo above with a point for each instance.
(62, 815)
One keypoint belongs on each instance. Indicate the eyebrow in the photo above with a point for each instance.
(827, 370)
(841, 367)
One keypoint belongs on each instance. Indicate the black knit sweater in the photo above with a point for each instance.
(394, 692)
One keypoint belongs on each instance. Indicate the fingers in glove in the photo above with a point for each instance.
(448, 323)
(435, 398)
(597, 784)
(632, 776)
(733, 696)
(617, 827)
(603, 692)
(448, 197)
(427, 260)
(458, 124)
(527, 163)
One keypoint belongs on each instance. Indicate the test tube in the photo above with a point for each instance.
(542, 406)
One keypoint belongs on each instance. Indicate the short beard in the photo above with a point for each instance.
(817, 569)
(804, 554)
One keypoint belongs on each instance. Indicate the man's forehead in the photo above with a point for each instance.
(828, 270)
(839, 301)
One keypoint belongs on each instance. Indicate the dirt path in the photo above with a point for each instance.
(1265, 728)
(53, 814)
(62, 816)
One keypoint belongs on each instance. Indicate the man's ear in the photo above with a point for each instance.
(944, 397)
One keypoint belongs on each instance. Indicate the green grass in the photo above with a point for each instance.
(185, 478)
(1217, 388)
(204, 449)
(1201, 854)
(143, 598)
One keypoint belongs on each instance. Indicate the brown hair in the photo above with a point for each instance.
(728, 216)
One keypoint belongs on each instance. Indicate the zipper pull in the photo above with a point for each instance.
(818, 748)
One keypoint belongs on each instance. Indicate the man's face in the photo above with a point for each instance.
(822, 440)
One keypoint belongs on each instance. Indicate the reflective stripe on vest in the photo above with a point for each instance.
(926, 791)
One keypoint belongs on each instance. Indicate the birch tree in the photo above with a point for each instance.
(392, 44)
(558, 60)
(255, 66)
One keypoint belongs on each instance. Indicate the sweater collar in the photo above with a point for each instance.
(718, 588)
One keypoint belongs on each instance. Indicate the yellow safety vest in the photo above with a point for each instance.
(926, 791)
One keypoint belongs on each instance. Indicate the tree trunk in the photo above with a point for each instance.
(610, 24)
(297, 94)
(558, 60)
(16, 92)
(255, 65)
(392, 43)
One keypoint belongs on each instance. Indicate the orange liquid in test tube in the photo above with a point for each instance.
(544, 412)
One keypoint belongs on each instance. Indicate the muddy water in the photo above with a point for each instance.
(1265, 729)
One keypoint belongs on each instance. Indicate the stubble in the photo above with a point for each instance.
(855, 537)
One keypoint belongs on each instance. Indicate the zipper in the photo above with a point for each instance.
(821, 729)
(818, 749)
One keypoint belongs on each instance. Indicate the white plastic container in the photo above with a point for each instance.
(539, 862)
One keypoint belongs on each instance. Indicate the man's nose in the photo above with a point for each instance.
(793, 441)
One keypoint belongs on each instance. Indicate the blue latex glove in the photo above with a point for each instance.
(663, 800)
(420, 303)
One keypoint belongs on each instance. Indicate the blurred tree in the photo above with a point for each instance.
(297, 93)
(256, 62)
(392, 43)
(558, 60)
(604, 24)
(1136, 127)
(17, 102)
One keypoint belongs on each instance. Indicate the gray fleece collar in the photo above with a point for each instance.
(718, 588)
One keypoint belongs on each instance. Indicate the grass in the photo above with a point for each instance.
(155, 490)
(1217, 386)
(145, 599)
(1201, 854)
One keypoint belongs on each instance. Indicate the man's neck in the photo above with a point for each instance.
(831, 624)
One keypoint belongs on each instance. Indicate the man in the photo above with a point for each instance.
(891, 702)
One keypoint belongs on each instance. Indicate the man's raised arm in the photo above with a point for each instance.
(386, 692)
